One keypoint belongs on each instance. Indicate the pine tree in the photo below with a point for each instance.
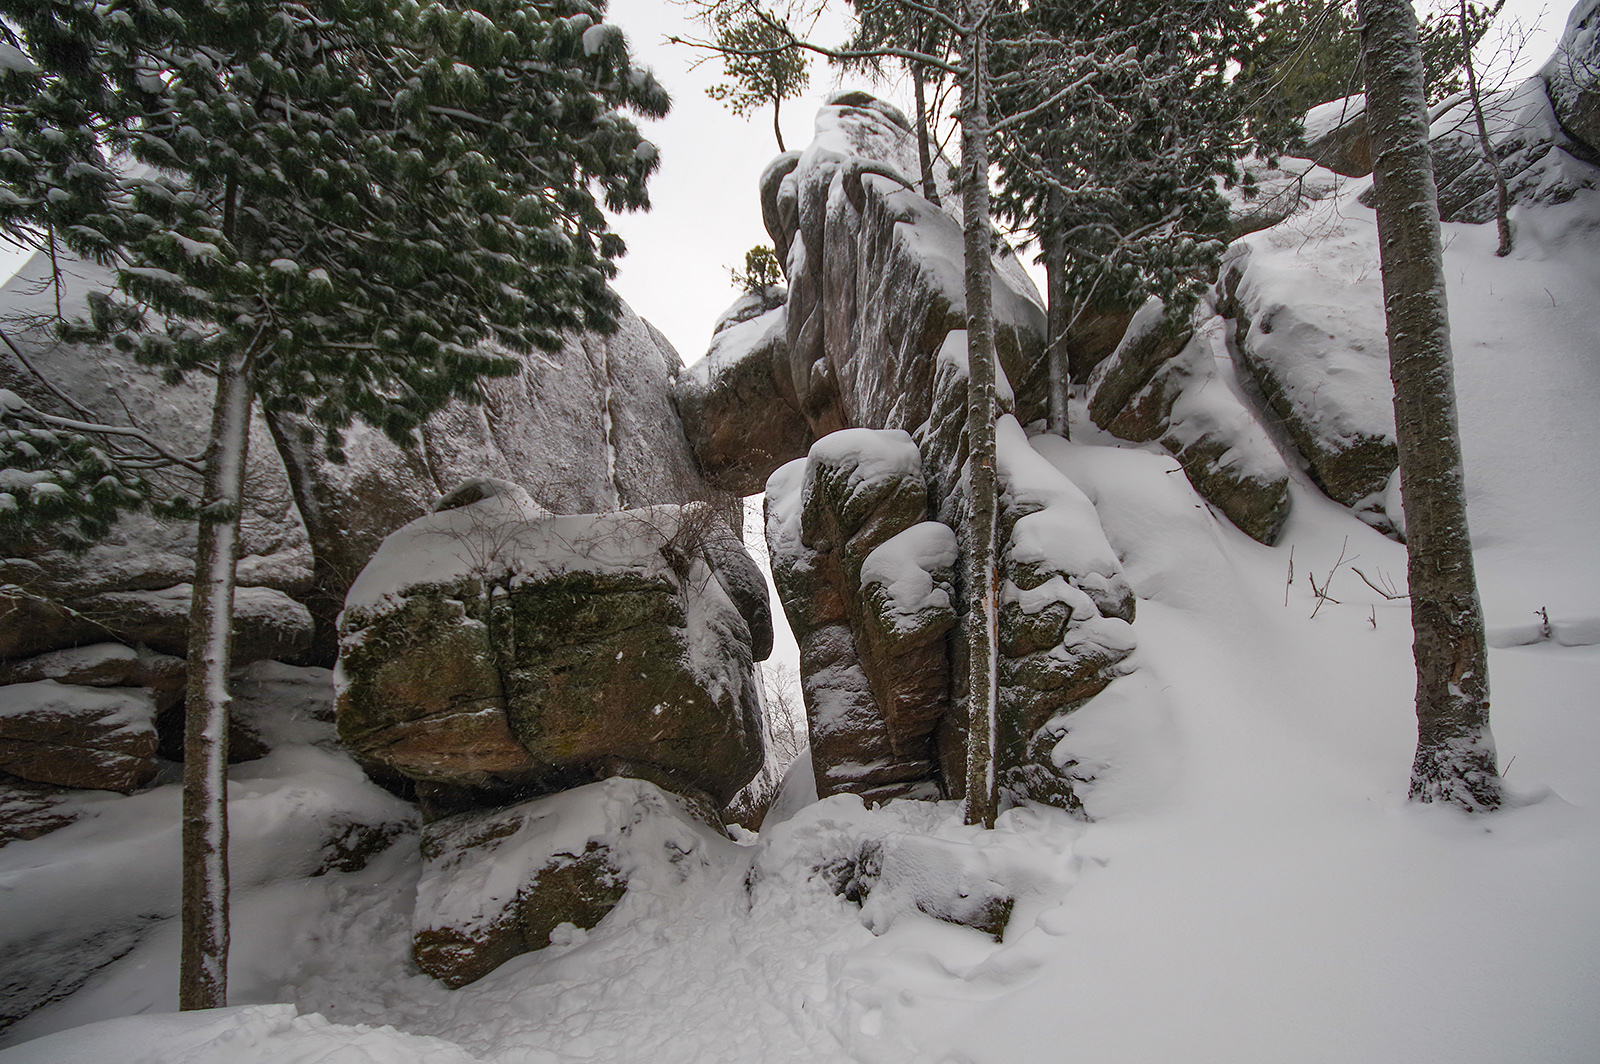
(345, 209)
(1118, 179)
(1455, 759)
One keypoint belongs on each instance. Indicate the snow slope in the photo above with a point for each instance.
(1253, 888)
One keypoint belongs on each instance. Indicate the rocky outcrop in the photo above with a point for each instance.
(875, 287)
(1173, 383)
(858, 381)
(738, 403)
(101, 738)
(588, 428)
(1322, 369)
(1336, 136)
(496, 884)
(1572, 77)
(491, 649)
(867, 583)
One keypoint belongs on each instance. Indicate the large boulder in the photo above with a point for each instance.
(1572, 77)
(495, 648)
(875, 288)
(1320, 365)
(590, 427)
(1336, 136)
(499, 883)
(738, 403)
(102, 738)
(1174, 383)
(59, 598)
(867, 581)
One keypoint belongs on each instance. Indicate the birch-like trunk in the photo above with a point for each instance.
(1502, 198)
(203, 972)
(982, 799)
(1057, 319)
(1455, 759)
(930, 187)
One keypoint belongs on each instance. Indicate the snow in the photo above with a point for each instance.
(112, 709)
(507, 534)
(905, 565)
(1327, 117)
(249, 1034)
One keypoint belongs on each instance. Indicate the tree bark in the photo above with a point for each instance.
(1502, 198)
(203, 974)
(930, 187)
(982, 798)
(1057, 320)
(1455, 760)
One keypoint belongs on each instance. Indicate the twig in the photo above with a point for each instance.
(1387, 591)
(1289, 581)
(1322, 592)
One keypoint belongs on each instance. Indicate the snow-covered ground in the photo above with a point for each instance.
(1253, 888)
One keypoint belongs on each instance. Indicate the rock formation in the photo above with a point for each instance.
(491, 650)
(857, 381)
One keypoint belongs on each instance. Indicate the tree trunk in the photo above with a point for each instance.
(777, 130)
(203, 976)
(1056, 320)
(1502, 204)
(930, 188)
(982, 799)
(1455, 759)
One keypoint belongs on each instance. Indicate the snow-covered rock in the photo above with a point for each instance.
(590, 427)
(738, 403)
(493, 646)
(103, 738)
(875, 287)
(1176, 385)
(866, 581)
(1570, 78)
(496, 884)
(1309, 335)
(1336, 136)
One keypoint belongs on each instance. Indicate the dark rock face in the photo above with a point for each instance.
(101, 738)
(498, 649)
(738, 403)
(496, 884)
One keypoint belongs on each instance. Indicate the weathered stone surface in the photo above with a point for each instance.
(866, 580)
(500, 883)
(1185, 395)
(1570, 77)
(1323, 372)
(102, 738)
(1336, 136)
(592, 427)
(29, 810)
(1066, 612)
(100, 665)
(1541, 163)
(875, 276)
(495, 647)
(738, 403)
